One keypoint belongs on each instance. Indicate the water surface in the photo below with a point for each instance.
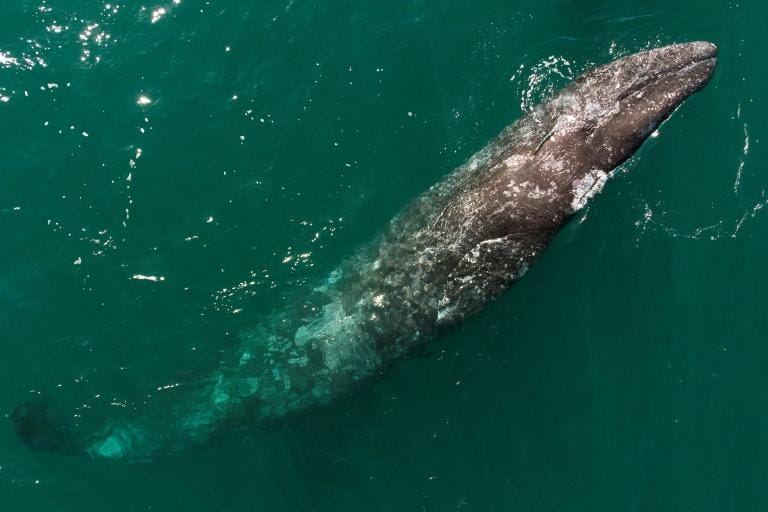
(171, 171)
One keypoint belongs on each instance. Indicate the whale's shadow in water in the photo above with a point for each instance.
(43, 429)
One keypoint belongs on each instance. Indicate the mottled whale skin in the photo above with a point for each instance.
(453, 250)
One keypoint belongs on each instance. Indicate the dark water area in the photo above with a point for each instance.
(171, 172)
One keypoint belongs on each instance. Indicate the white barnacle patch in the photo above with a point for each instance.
(586, 188)
(567, 100)
(329, 281)
(593, 108)
(515, 161)
(245, 357)
(337, 334)
(445, 309)
(474, 254)
(517, 188)
(378, 300)
(564, 122)
(553, 166)
(538, 193)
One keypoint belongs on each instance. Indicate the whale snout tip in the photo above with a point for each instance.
(704, 56)
(700, 54)
(686, 54)
(703, 49)
(695, 60)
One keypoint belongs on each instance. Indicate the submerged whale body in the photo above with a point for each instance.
(42, 429)
(454, 249)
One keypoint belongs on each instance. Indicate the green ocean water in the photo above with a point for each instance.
(170, 172)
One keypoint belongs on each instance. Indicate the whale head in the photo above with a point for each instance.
(601, 118)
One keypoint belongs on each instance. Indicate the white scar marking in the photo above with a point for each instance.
(586, 188)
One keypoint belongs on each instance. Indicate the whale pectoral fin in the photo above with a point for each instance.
(585, 188)
(42, 429)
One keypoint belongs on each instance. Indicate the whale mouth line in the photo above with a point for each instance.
(688, 67)
(697, 52)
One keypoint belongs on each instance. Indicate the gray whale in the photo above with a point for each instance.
(454, 249)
